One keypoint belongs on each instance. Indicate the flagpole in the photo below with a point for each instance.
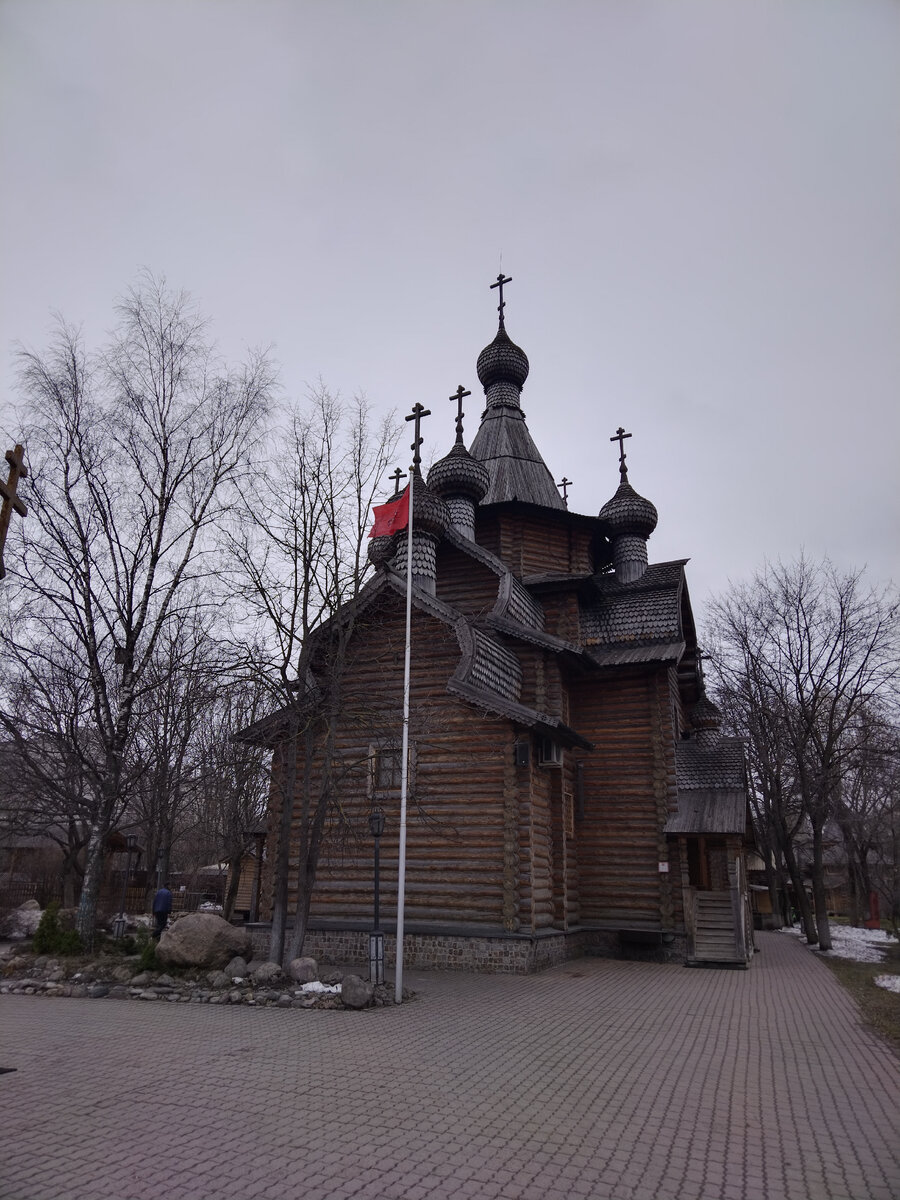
(404, 749)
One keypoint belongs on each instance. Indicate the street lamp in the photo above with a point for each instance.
(376, 937)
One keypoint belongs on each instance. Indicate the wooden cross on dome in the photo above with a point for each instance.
(620, 436)
(565, 484)
(17, 471)
(416, 415)
(397, 476)
(501, 279)
(459, 395)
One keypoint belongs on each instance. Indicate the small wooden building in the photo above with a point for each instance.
(570, 792)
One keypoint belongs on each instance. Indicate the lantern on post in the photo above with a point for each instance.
(376, 937)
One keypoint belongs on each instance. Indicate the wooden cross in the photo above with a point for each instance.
(565, 484)
(416, 415)
(459, 395)
(397, 476)
(17, 471)
(501, 279)
(620, 436)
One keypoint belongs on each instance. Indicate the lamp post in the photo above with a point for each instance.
(376, 937)
(119, 922)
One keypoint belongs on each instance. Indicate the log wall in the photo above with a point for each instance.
(629, 788)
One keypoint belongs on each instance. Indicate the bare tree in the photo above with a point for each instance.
(300, 560)
(815, 647)
(135, 456)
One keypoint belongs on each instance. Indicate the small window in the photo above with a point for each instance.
(386, 767)
(550, 753)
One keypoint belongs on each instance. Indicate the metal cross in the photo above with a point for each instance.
(17, 471)
(459, 395)
(397, 476)
(416, 415)
(620, 437)
(565, 484)
(501, 279)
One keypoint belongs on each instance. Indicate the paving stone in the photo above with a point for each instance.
(633, 1081)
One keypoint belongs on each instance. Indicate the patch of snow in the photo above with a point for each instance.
(319, 989)
(858, 945)
(208, 906)
(890, 983)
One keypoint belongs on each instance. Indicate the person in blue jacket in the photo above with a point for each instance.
(162, 906)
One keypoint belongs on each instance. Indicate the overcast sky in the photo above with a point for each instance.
(698, 203)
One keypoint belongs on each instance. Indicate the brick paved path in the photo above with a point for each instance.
(627, 1081)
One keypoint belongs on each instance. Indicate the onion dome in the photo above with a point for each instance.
(459, 474)
(502, 361)
(430, 512)
(381, 549)
(704, 714)
(629, 513)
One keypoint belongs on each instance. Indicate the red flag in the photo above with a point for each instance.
(391, 517)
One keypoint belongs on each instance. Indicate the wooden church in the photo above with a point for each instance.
(569, 790)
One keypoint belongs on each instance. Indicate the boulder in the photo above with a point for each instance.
(202, 940)
(237, 968)
(304, 970)
(22, 922)
(356, 992)
(218, 979)
(266, 972)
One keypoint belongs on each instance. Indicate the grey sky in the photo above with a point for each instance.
(699, 204)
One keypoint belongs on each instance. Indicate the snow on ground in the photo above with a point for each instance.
(890, 983)
(860, 945)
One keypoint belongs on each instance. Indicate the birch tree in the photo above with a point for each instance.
(300, 558)
(135, 455)
(815, 646)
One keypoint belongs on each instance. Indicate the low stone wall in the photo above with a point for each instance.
(511, 954)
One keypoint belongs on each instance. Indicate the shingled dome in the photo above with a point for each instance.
(459, 474)
(430, 514)
(629, 513)
(502, 361)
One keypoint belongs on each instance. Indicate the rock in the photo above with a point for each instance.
(96, 990)
(22, 922)
(147, 996)
(284, 1000)
(266, 972)
(119, 992)
(304, 970)
(218, 979)
(122, 974)
(165, 981)
(237, 968)
(202, 940)
(332, 977)
(356, 992)
(235, 997)
(140, 981)
(56, 975)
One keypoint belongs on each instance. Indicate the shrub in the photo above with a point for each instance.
(145, 944)
(51, 937)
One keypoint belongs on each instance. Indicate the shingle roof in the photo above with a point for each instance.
(702, 767)
(642, 613)
(514, 462)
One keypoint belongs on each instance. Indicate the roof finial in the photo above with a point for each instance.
(418, 412)
(397, 476)
(565, 484)
(620, 437)
(459, 395)
(501, 279)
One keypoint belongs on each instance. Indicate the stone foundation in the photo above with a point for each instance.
(511, 954)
